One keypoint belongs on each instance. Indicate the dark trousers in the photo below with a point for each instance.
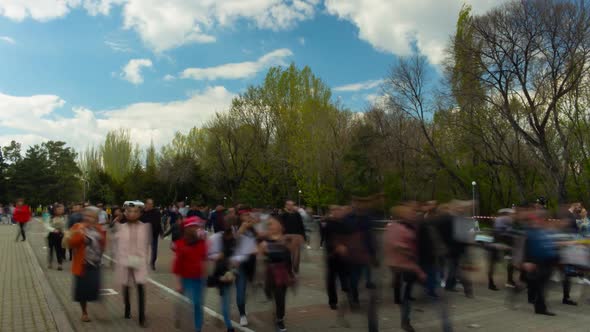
(336, 270)
(397, 281)
(140, 298)
(354, 277)
(21, 231)
(567, 286)
(537, 282)
(455, 272)
(279, 294)
(154, 251)
(408, 279)
(322, 236)
(54, 243)
(493, 255)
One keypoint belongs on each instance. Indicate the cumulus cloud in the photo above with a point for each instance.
(132, 70)
(366, 85)
(45, 10)
(393, 25)
(145, 121)
(163, 25)
(301, 41)
(238, 70)
(7, 39)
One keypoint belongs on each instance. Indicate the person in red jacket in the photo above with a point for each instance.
(22, 215)
(190, 265)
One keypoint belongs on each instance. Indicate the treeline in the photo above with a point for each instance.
(508, 109)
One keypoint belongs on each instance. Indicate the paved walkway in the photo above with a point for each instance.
(25, 306)
(306, 308)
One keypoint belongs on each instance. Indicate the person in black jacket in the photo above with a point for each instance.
(153, 217)
(338, 229)
(294, 232)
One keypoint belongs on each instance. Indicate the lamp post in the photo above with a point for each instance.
(473, 184)
(299, 198)
(224, 200)
(85, 182)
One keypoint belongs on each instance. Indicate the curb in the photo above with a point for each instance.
(62, 322)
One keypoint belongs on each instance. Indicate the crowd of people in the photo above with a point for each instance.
(428, 244)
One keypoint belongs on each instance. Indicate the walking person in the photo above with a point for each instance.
(133, 240)
(22, 215)
(245, 258)
(279, 273)
(190, 266)
(55, 236)
(402, 254)
(74, 218)
(88, 240)
(153, 217)
(294, 232)
(222, 247)
(540, 256)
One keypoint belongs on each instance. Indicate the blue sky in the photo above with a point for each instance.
(74, 69)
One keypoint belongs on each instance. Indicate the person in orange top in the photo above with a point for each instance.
(88, 239)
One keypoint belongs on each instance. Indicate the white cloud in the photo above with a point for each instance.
(366, 85)
(238, 70)
(145, 121)
(169, 77)
(164, 25)
(45, 10)
(301, 41)
(7, 39)
(118, 46)
(132, 71)
(392, 25)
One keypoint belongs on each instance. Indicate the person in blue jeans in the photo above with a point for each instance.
(190, 265)
(222, 247)
(245, 258)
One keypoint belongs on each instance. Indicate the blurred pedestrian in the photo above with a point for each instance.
(245, 257)
(294, 232)
(401, 251)
(540, 256)
(190, 265)
(22, 215)
(222, 247)
(55, 236)
(153, 217)
(88, 240)
(279, 275)
(133, 240)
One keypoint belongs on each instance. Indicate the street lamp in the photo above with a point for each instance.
(299, 198)
(85, 182)
(473, 184)
(224, 199)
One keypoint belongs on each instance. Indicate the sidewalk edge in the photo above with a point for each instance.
(62, 322)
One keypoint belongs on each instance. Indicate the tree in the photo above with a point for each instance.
(535, 52)
(119, 155)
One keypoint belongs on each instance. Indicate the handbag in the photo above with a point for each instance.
(280, 275)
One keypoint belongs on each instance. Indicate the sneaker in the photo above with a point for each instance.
(281, 326)
(406, 326)
(510, 285)
(333, 306)
(243, 321)
(569, 302)
(308, 247)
